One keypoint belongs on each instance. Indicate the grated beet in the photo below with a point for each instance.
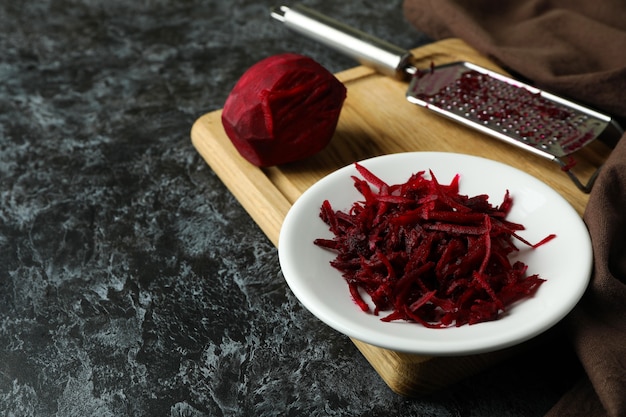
(427, 253)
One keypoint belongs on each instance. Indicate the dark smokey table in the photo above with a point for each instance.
(131, 281)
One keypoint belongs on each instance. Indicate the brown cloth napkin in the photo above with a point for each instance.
(576, 48)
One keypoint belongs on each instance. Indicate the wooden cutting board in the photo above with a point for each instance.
(376, 119)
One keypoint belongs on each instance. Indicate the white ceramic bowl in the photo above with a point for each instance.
(565, 262)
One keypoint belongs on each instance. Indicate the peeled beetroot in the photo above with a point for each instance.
(283, 109)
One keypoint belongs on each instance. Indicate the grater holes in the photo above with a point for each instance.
(513, 111)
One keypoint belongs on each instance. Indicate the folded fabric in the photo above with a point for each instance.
(597, 326)
(575, 48)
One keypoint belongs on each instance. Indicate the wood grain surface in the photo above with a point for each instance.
(376, 119)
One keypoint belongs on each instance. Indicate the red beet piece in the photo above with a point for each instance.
(427, 253)
(283, 109)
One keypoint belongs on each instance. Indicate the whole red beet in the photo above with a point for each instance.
(283, 109)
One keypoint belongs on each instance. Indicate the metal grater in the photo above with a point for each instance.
(502, 107)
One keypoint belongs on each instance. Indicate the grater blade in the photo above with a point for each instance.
(507, 109)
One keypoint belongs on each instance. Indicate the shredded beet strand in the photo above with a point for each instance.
(427, 254)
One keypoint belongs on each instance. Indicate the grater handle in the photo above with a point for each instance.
(368, 50)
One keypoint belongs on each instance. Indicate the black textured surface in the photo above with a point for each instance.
(131, 281)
